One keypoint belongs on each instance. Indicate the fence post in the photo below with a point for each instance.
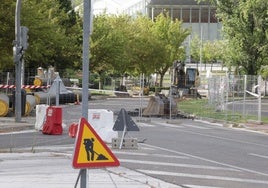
(227, 96)
(259, 98)
(244, 101)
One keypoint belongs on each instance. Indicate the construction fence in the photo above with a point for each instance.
(237, 97)
(38, 87)
(228, 97)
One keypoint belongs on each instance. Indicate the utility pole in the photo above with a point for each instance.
(20, 45)
(17, 51)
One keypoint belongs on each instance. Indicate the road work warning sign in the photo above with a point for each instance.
(90, 150)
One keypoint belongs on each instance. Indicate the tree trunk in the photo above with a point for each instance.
(161, 79)
(100, 84)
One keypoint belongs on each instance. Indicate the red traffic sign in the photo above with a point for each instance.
(90, 150)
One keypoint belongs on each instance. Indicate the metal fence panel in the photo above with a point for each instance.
(236, 96)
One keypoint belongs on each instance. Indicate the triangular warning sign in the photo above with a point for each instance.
(124, 120)
(90, 150)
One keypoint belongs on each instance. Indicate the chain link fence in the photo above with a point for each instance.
(237, 97)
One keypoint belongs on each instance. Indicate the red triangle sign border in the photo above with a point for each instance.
(83, 122)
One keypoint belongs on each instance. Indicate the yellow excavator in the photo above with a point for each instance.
(185, 81)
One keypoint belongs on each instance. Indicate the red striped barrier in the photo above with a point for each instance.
(23, 86)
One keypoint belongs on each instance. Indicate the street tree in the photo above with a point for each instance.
(145, 48)
(109, 45)
(121, 45)
(171, 36)
(245, 27)
(54, 34)
(7, 33)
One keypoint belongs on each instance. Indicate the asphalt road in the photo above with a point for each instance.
(183, 152)
(71, 114)
(191, 153)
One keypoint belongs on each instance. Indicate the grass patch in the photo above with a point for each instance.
(201, 108)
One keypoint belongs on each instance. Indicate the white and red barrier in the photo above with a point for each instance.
(3, 86)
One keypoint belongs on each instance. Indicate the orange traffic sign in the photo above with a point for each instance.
(90, 150)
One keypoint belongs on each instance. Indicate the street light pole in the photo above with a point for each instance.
(17, 60)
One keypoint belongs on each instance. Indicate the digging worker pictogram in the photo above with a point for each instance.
(89, 147)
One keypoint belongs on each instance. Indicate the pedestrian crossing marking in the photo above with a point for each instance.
(199, 176)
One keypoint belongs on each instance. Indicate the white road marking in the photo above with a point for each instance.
(167, 125)
(210, 123)
(19, 132)
(205, 159)
(209, 177)
(148, 148)
(195, 126)
(222, 138)
(198, 186)
(181, 125)
(148, 154)
(145, 125)
(257, 155)
(177, 165)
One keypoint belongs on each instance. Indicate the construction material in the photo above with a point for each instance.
(4, 105)
(160, 105)
(43, 97)
(128, 143)
(30, 104)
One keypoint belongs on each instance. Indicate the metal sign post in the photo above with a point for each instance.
(87, 14)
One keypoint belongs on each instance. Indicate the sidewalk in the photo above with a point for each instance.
(8, 124)
(255, 127)
(47, 168)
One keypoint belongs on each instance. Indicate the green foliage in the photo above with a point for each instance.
(54, 33)
(264, 72)
(107, 45)
(7, 33)
(144, 47)
(121, 45)
(171, 35)
(245, 25)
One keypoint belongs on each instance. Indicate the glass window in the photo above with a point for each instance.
(195, 15)
(213, 18)
(204, 15)
(157, 11)
(176, 13)
(186, 15)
